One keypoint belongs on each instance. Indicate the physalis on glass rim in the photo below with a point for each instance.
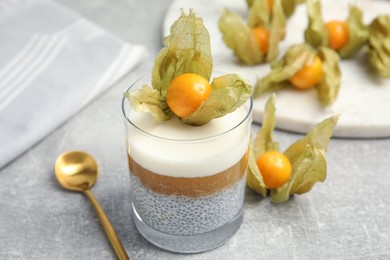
(181, 79)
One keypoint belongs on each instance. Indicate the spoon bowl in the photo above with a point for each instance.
(78, 171)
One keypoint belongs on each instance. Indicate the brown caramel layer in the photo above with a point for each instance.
(190, 187)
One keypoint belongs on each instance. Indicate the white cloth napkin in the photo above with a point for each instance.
(52, 63)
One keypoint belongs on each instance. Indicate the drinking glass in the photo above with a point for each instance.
(187, 182)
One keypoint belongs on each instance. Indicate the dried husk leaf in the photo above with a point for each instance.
(316, 173)
(264, 140)
(295, 58)
(277, 31)
(254, 179)
(228, 93)
(249, 2)
(307, 157)
(358, 32)
(288, 5)
(329, 86)
(149, 100)
(320, 134)
(259, 15)
(187, 51)
(379, 45)
(315, 34)
(238, 37)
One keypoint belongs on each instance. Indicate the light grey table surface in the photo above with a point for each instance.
(347, 217)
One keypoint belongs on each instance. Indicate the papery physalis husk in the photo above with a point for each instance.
(239, 37)
(358, 33)
(149, 100)
(307, 156)
(288, 5)
(328, 88)
(379, 45)
(308, 160)
(263, 142)
(187, 50)
(317, 36)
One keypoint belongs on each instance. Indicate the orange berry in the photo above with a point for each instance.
(262, 38)
(338, 34)
(309, 75)
(275, 168)
(186, 93)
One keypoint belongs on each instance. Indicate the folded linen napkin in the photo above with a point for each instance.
(52, 63)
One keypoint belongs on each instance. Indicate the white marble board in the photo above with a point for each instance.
(364, 97)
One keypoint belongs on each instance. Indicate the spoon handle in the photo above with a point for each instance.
(105, 222)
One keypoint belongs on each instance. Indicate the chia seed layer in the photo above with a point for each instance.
(182, 215)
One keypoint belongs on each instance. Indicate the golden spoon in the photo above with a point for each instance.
(77, 171)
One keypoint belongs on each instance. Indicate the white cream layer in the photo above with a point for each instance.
(185, 157)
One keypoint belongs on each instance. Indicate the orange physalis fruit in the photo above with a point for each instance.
(338, 34)
(186, 93)
(262, 38)
(275, 168)
(309, 75)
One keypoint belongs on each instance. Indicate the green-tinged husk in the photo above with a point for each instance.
(187, 50)
(239, 37)
(277, 31)
(254, 179)
(315, 33)
(308, 160)
(288, 5)
(264, 142)
(379, 45)
(296, 57)
(228, 93)
(149, 100)
(357, 30)
(259, 14)
(328, 88)
(307, 156)
(317, 36)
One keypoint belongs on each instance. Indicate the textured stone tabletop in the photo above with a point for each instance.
(347, 217)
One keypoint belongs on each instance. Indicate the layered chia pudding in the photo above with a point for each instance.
(188, 131)
(187, 181)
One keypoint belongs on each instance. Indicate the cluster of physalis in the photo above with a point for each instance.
(180, 87)
(313, 64)
(349, 36)
(297, 169)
